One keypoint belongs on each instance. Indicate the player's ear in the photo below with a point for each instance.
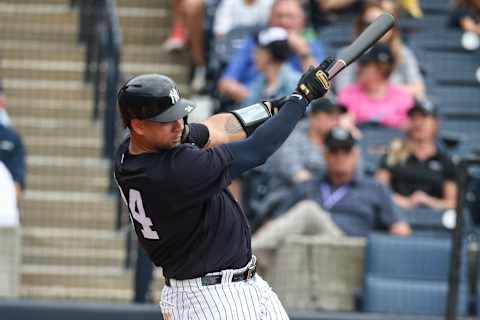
(137, 126)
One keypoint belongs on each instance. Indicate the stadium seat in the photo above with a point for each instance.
(410, 275)
(450, 68)
(458, 100)
(445, 40)
(337, 35)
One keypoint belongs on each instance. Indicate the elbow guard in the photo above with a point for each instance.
(196, 133)
(252, 116)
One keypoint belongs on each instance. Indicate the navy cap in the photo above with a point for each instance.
(326, 105)
(379, 53)
(424, 106)
(339, 137)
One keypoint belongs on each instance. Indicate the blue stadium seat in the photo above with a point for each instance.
(410, 275)
(450, 68)
(446, 40)
(401, 296)
(459, 100)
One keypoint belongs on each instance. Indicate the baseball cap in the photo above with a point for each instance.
(326, 105)
(275, 41)
(425, 106)
(339, 138)
(378, 53)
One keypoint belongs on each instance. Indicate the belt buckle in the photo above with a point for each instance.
(251, 271)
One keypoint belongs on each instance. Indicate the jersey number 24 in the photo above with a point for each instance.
(138, 213)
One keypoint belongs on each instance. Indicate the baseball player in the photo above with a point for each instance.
(173, 176)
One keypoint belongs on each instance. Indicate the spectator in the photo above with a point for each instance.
(232, 14)
(188, 16)
(339, 203)
(300, 158)
(467, 16)
(276, 78)
(241, 71)
(9, 213)
(416, 170)
(12, 154)
(373, 98)
(406, 72)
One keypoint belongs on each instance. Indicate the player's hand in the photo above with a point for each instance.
(314, 82)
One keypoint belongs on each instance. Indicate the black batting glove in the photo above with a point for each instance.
(314, 82)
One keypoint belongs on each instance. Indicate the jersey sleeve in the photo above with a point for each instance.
(199, 173)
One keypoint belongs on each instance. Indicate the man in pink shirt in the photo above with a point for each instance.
(373, 98)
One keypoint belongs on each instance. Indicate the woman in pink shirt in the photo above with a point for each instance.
(373, 98)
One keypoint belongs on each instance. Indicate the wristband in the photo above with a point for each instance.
(252, 116)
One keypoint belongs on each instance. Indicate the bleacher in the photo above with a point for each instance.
(71, 246)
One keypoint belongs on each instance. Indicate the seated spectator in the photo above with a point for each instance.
(12, 154)
(374, 98)
(241, 70)
(467, 16)
(406, 72)
(276, 78)
(337, 204)
(419, 174)
(9, 213)
(300, 158)
(232, 14)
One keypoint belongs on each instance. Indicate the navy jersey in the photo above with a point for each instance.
(185, 218)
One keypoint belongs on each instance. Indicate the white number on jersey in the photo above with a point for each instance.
(138, 213)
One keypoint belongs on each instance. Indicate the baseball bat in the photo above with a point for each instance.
(362, 43)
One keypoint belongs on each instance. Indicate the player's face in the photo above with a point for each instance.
(287, 15)
(162, 135)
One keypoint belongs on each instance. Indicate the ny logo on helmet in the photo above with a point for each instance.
(174, 95)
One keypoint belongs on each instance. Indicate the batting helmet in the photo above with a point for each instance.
(154, 97)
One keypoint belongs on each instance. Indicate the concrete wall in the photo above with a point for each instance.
(315, 273)
(10, 255)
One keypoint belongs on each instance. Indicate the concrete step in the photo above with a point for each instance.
(120, 3)
(58, 293)
(46, 181)
(68, 209)
(72, 167)
(39, 13)
(38, 50)
(73, 257)
(155, 53)
(54, 70)
(53, 33)
(83, 277)
(67, 238)
(57, 127)
(49, 108)
(47, 89)
(43, 70)
(146, 17)
(90, 277)
(69, 147)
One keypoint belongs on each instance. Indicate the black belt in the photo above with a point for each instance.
(213, 279)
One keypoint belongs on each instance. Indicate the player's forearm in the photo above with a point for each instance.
(224, 128)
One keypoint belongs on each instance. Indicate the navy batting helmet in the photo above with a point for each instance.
(154, 97)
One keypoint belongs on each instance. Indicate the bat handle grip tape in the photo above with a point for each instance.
(338, 66)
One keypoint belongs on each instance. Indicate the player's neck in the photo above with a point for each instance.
(138, 146)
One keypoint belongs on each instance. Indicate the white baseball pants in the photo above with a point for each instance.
(250, 299)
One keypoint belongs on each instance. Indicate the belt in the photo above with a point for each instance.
(213, 279)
